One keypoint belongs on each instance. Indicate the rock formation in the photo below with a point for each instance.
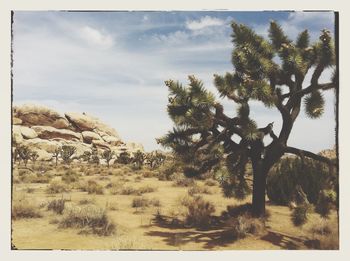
(44, 130)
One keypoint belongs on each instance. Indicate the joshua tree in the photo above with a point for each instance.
(24, 154)
(155, 159)
(138, 159)
(94, 156)
(269, 71)
(67, 152)
(34, 156)
(86, 156)
(124, 158)
(56, 154)
(107, 155)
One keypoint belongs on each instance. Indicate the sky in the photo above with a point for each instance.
(113, 65)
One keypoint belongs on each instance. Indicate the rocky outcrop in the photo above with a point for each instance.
(43, 130)
(38, 115)
(48, 132)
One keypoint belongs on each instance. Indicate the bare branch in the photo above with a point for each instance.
(305, 153)
(309, 89)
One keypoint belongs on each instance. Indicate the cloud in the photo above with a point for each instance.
(206, 21)
(95, 37)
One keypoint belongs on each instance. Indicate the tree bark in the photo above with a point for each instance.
(259, 189)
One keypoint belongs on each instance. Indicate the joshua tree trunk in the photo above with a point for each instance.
(259, 190)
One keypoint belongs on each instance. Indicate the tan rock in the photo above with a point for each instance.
(17, 134)
(112, 140)
(48, 132)
(89, 136)
(81, 121)
(80, 148)
(100, 144)
(61, 123)
(28, 133)
(47, 145)
(133, 147)
(38, 115)
(16, 121)
(85, 122)
(43, 155)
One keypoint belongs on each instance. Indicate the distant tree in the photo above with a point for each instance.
(34, 156)
(155, 159)
(25, 154)
(56, 154)
(95, 159)
(139, 158)
(107, 155)
(67, 152)
(271, 72)
(124, 158)
(86, 156)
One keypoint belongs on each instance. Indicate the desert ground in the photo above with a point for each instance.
(82, 207)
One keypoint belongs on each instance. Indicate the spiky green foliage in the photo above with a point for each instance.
(205, 139)
(314, 105)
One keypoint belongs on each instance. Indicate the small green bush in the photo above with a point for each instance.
(93, 187)
(300, 214)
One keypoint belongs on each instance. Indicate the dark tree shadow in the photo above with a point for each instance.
(284, 241)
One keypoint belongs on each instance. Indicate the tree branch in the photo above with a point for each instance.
(309, 89)
(302, 153)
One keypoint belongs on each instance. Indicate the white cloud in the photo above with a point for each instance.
(206, 21)
(96, 37)
(311, 17)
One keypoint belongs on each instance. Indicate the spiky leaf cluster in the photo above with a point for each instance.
(314, 105)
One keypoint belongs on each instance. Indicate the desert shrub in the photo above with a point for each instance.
(92, 187)
(149, 174)
(300, 214)
(199, 212)
(128, 190)
(57, 187)
(56, 205)
(147, 189)
(321, 229)
(324, 237)
(243, 225)
(196, 189)
(23, 172)
(30, 190)
(283, 179)
(143, 202)
(210, 182)
(42, 179)
(86, 201)
(70, 176)
(138, 179)
(326, 201)
(22, 208)
(183, 182)
(168, 169)
(90, 219)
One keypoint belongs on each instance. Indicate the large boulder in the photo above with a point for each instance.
(31, 115)
(101, 144)
(48, 145)
(28, 133)
(83, 122)
(133, 147)
(16, 121)
(47, 132)
(17, 134)
(81, 148)
(43, 155)
(112, 140)
(89, 136)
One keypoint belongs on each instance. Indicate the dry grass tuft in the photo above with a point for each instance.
(22, 208)
(56, 205)
(57, 187)
(90, 219)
